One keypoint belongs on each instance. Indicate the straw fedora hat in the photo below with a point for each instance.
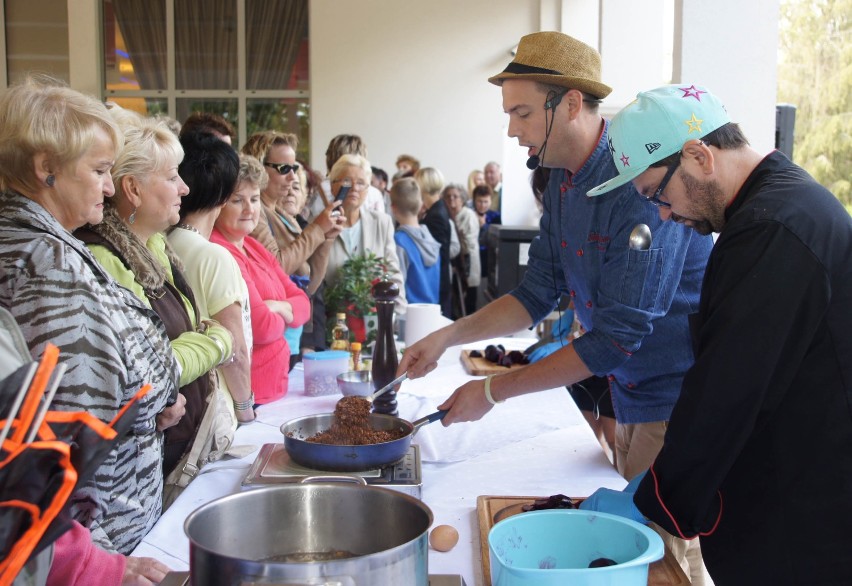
(557, 59)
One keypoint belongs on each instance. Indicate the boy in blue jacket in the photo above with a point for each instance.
(419, 253)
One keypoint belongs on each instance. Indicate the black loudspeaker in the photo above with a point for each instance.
(785, 123)
(508, 250)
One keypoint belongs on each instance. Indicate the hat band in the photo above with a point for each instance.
(514, 67)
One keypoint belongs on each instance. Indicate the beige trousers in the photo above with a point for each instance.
(636, 447)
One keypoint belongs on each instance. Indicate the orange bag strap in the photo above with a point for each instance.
(102, 429)
(42, 377)
(139, 394)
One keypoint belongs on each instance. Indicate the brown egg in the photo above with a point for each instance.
(444, 537)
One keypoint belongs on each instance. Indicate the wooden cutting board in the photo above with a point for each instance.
(482, 367)
(490, 509)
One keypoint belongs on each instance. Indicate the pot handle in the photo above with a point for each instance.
(332, 478)
(436, 416)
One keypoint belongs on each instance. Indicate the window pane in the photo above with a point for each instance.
(276, 45)
(135, 44)
(205, 44)
(227, 108)
(36, 38)
(145, 106)
(291, 115)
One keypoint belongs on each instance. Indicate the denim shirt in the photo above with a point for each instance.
(634, 304)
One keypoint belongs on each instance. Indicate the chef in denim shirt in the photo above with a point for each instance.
(633, 301)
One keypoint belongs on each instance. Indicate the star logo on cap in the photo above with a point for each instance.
(692, 92)
(611, 148)
(625, 160)
(694, 124)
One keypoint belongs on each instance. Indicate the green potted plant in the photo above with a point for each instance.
(352, 293)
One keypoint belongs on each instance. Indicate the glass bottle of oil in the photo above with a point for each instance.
(340, 334)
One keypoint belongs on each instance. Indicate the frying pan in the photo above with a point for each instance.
(349, 458)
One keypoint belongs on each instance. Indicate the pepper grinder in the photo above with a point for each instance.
(385, 361)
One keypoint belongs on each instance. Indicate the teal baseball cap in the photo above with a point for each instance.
(655, 125)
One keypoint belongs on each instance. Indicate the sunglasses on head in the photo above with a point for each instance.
(282, 168)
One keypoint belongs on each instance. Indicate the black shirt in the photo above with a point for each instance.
(757, 458)
(437, 220)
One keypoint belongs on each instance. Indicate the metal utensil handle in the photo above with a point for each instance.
(16, 404)
(432, 417)
(334, 478)
(48, 399)
(389, 386)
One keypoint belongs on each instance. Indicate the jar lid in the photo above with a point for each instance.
(325, 355)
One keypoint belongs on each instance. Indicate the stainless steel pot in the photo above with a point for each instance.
(294, 534)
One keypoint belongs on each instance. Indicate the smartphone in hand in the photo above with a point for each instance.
(344, 189)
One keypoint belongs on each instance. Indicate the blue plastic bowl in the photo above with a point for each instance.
(555, 547)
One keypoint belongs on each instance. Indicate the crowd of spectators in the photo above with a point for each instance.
(155, 252)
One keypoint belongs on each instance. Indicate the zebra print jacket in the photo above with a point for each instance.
(112, 344)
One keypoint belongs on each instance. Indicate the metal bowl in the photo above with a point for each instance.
(358, 383)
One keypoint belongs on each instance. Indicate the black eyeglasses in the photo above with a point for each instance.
(282, 168)
(655, 199)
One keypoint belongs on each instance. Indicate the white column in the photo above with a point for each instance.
(582, 20)
(731, 47)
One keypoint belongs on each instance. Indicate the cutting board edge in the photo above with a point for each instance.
(482, 367)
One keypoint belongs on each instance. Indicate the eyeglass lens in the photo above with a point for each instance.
(655, 199)
(360, 185)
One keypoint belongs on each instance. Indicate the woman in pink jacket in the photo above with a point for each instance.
(276, 302)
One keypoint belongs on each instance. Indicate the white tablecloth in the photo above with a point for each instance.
(534, 445)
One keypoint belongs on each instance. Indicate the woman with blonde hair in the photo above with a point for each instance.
(366, 230)
(131, 245)
(475, 179)
(57, 148)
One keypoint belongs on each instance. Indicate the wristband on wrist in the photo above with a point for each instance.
(488, 395)
(223, 358)
(245, 405)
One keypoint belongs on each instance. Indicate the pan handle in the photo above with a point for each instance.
(432, 417)
(333, 478)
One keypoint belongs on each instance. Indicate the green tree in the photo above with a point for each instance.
(815, 75)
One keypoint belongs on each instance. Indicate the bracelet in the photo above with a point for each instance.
(488, 391)
(223, 359)
(244, 405)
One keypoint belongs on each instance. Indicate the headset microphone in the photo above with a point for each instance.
(533, 162)
(550, 103)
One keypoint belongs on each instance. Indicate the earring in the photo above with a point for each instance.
(132, 217)
(50, 180)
